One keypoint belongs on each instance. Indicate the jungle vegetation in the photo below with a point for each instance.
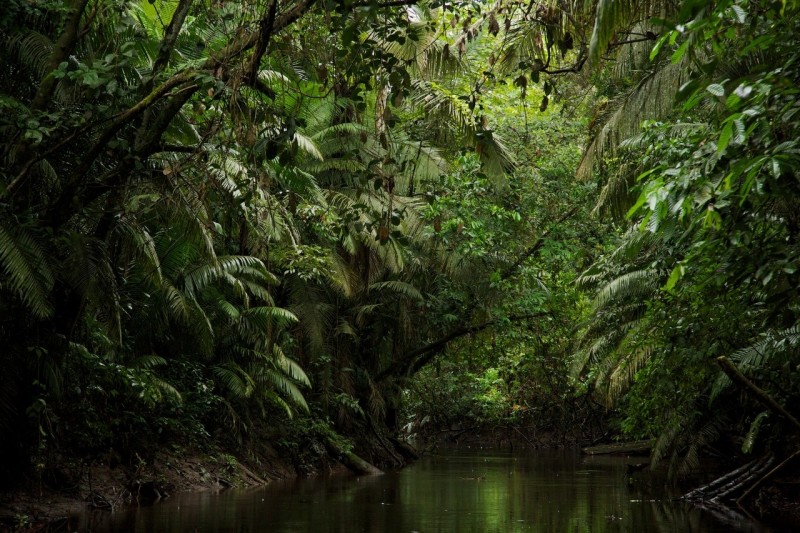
(305, 220)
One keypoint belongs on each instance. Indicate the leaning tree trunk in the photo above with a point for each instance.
(351, 460)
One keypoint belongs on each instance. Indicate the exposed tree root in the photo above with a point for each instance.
(386, 446)
(405, 449)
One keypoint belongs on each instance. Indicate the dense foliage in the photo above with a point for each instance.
(217, 216)
(209, 207)
(708, 265)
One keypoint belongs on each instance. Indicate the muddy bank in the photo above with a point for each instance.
(49, 494)
(46, 500)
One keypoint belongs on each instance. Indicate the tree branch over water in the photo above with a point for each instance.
(410, 362)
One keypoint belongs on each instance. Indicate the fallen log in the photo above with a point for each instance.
(725, 486)
(351, 460)
(699, 492)
(359, 465)
(738, 484)
(258, 479)
(640, 447)
(764, 478)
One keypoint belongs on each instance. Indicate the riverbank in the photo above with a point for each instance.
(68, 483)
(44, 501)
(456, 490)
(78, 484)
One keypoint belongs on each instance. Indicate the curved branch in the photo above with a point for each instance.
(413, 361)
(536, 246)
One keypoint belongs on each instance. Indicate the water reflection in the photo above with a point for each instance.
(538, 492)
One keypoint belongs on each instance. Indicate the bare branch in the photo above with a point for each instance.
(265, 29)
(736, 375)
(170, 36)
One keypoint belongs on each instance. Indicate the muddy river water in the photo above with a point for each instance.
(459, 491)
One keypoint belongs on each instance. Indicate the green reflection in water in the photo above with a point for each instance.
(461, 492)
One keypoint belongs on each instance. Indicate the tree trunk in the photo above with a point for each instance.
(351, 460)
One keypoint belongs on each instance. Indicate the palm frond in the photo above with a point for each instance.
(781, 345)
(636, 284)
(167, 390)
(238, 382)
(703, 435)
(443, 106)
(422, 48)
(400, 287)
(651, 98)
(307, 145)
(178, 304)
(265, 317)
(148, 362)
(26, 270)
(611, 16)
(496, 157)
(615, 197)
(31, 50)
(274, 380)
(621, 378)
(200, 277)
(290, 367)
(144, 245)
(679, 422)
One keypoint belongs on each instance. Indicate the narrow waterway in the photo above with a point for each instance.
(482, 492)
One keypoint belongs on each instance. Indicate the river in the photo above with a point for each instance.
(459, 491)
